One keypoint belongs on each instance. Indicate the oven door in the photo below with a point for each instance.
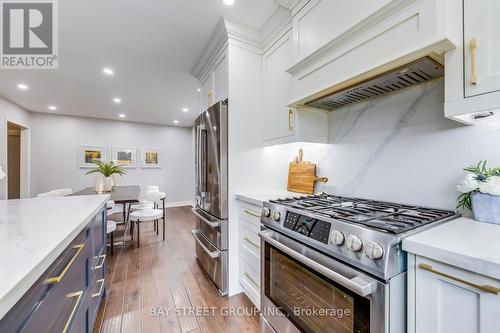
(307, 291)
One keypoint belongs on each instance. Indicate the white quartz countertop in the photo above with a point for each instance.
(464, 243)
(33, 233)
(258, 198)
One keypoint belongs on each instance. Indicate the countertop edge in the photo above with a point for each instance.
(10, 299)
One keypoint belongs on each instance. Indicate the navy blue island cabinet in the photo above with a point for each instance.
(66, 298)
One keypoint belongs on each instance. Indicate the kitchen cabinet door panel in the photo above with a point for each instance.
(481, 22)
(277, 121)
(220, 78)
(446, 303)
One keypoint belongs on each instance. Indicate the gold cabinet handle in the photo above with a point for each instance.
(251, 279)
(485, 288)
(290, 118)
(103, 257)
(251, 213)
(57, 279)
(102, 282)
(472, 47)
(78, 295)
(251, 242)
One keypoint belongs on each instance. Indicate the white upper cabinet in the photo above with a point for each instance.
(277, 119)
(281, 124)
(220, 77)
(473, 69)
(214, 82)
(482, 28)
(323, 20)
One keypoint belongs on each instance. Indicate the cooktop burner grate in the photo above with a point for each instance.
(384, 216)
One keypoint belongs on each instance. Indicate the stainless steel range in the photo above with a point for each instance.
(335, 264)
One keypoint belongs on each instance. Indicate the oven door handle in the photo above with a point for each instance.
(355, 284)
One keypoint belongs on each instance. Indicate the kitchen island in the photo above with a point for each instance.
(52, 259)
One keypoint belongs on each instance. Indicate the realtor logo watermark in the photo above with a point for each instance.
(29, 34)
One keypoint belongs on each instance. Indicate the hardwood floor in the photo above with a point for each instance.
(160, 287)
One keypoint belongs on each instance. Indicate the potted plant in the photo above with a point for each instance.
(480, 192)
(105, 182)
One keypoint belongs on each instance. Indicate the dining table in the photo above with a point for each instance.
(121, 195)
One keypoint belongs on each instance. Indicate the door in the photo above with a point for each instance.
(13, 161)
(278, 120)
(211, 160)
(481, 26)
(446, 303)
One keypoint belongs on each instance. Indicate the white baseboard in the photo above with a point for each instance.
(179, 204)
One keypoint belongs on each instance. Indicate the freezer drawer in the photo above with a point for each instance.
(213, 229)
(213, 261)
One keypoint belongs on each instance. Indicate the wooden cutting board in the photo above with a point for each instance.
(302, 176)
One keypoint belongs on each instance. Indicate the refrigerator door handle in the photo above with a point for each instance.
(210, 223)
(213, 255)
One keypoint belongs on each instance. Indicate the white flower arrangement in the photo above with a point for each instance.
(478, 179)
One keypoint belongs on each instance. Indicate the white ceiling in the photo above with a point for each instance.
(152, 45)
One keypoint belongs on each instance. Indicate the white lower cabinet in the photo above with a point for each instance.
(447, 299)
(249, 270)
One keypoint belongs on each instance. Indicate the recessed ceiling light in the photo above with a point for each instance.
(228, 2)
(108, 71)
(22, 86)
(117, 100)
(176, 121)
(52, 107)
(198, 90)
(185, 109)
(121, 115)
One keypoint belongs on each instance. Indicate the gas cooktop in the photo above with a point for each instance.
(385, 216)
(362, 232)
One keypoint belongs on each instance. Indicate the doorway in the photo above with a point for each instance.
(17, 161)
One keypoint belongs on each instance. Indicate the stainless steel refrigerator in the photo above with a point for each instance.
(211, 233)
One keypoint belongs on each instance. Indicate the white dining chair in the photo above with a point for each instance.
(150, 214)
(146, 204)
(110, 225)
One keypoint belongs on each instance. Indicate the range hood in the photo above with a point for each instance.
(403, 77)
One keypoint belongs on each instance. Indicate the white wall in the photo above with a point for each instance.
(54, 153)
(13, 113)
(401, 148)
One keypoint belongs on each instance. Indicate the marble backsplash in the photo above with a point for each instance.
(401, 148)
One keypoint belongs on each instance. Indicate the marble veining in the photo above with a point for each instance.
(375, 157)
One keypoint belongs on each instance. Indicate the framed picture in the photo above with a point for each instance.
(151, 158)
(87, 154)
(125, 157)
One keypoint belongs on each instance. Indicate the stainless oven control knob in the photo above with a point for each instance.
(374, 250)
(353, 243)
(266, 211)
(276, 216)
(337, 238)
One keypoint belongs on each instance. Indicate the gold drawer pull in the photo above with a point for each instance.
(251, 242)
(57, 279)
(485, 288)
(75, 307)
(103, 257)
(102, 282)
(251, 279)
(251, 213)
(472, 47)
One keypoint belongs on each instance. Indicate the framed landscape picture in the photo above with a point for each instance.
(87, 154)
(125, 157)
(151, 158)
